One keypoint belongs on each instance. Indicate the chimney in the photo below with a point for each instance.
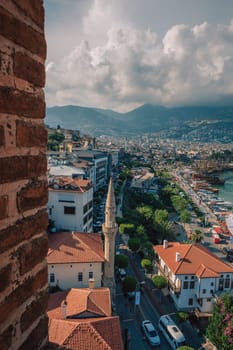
(63, 309)
(91, 283)
(177, 256)
(165, 244)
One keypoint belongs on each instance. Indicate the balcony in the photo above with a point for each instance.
(172, 286)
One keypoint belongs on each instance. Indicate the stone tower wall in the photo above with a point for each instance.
(23, 181)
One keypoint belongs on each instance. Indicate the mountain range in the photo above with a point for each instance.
(179, 122)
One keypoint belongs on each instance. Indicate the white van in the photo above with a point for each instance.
(171, 332)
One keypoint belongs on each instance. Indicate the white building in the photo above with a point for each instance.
(70, 204)
(75, 258)
(195, 276)
(100, 165)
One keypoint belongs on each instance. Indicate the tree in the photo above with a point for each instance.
(185, 216)
(220, 327)
(161, 216)
(185, 347)
(127, 229)
(141, 233)
(134, 244)
(160, 282)
(146, 264)
(197, 236)
(183, 316)
(121, 261)
(129, 284)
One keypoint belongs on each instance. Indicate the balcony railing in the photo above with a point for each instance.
(176, 289)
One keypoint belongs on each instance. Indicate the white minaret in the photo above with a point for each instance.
(110, 228)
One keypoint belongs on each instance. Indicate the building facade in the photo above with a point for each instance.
(195, 276)
(73, 259)
(70, 204)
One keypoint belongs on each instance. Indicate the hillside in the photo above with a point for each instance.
(182, 122)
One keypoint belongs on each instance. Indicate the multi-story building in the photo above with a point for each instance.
(70, 204)
(75, 258)
(195, 276)
(101, 169)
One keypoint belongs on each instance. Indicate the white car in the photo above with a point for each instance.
(150, 333)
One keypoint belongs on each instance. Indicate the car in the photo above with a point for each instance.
(150, 333)
(122, 273)
(230, 255)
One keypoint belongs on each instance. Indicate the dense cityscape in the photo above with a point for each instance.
(166, 194)
(116, 175)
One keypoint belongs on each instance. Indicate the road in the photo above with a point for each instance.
(131, 316)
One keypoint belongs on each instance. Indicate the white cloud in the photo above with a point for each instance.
(119, 66)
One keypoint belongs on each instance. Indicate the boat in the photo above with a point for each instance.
(211, 179)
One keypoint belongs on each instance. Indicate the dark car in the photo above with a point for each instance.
(230, 255)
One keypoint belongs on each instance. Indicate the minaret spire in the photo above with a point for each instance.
(110, 228)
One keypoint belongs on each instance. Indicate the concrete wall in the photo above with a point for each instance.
(66, 275)
(23, 182)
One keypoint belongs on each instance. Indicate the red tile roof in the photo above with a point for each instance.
(194, 259)
(67, 183)
(78, 247)
(83, 300)
(97, 330)
(101, 334)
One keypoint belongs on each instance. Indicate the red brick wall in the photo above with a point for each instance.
(23, 181)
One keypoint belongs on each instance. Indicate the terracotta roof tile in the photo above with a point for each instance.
(204, 271)
(79, 301)
(75, 247)
(101, 333)
(194, 259)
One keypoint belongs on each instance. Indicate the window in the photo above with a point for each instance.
(186, 277)
(50, 211)
(190, 301)
(69, 210)
(212, 283)
(203, 291)
(90, 275)
(192, 277)
(52, 277)
(185, 285)
(80, 277)
(208, 299)
(192, 285)
(227, 283)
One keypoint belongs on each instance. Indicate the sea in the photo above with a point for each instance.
(226, 190)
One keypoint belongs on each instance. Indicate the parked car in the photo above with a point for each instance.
(150, 333)
(230, 255)
(122, 273)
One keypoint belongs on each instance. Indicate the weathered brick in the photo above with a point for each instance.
(33, 9)
(30, 286)
(34, 310)
(28, 69)
(23, 229)
(13, 101)
(35, 194)
(31, 253)
(22, 34)
(5, 277)
(29, 135)
(22, 167)
(37, 336)
(2, 136)
(3, 207)
(6, 338)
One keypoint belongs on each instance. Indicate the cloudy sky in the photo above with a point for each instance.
(120, 54)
